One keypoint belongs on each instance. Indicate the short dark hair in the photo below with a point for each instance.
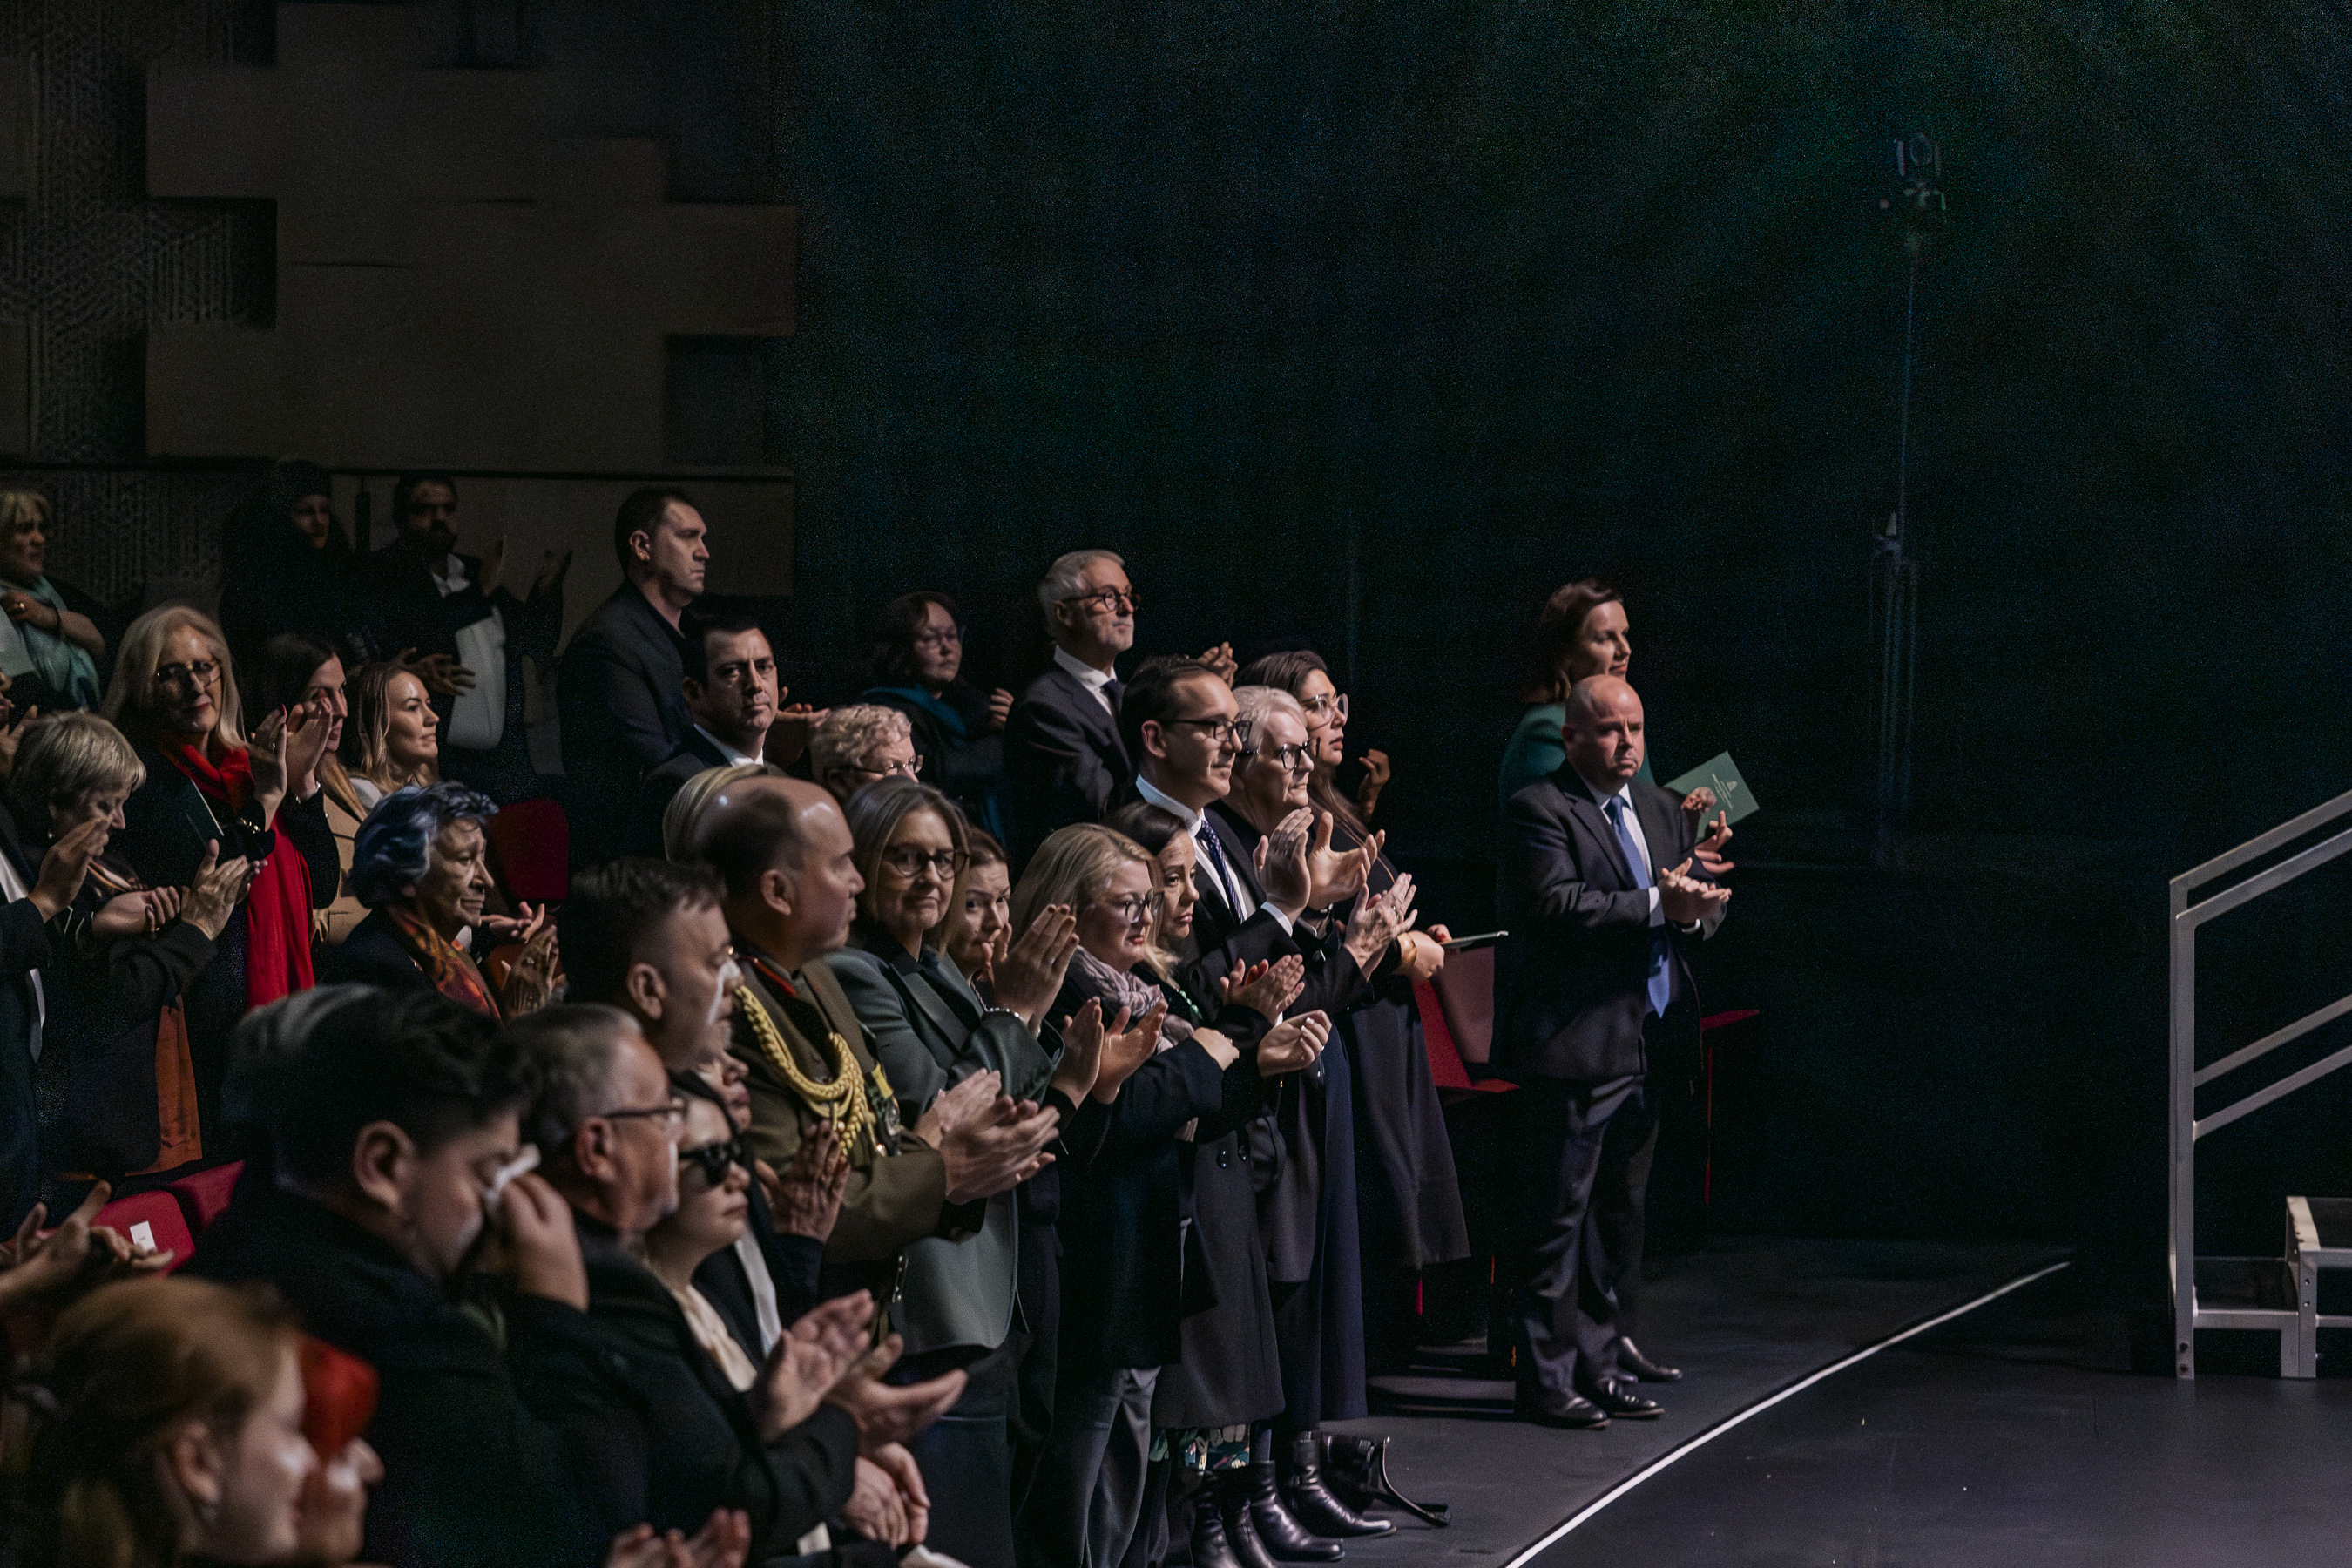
(1153, 695)
(575, 1049)
(1151, 825)
(891, 641)
(282, 674)
(404, 491)
(613, 911)
(699, 629)
(642, 514)
(429, 1066)
(751, 840)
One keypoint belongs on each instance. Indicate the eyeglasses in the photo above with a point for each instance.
(1106, 601)
(203, 672)
(713, 1160)
(1134, 910)
(1295, 759)
(909, 862)
(907, 769)
(1218, 732)
(1322, 710)
(673, 1114)
(952, 638)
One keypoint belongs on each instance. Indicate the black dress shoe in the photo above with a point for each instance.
(1631, 1358)
(1278, 1529)
(1624, 1400)
(1548, 1407)
(1233, 1511)
(1311, 1502)
(1210, 1549)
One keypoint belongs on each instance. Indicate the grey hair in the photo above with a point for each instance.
(1066, 577)
(393, 851)
(576, 1048)
(1258, 702)
(64, 756)
(850, 732)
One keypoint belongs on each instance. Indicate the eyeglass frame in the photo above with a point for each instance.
(1094, 600)
(1330, 702)
(956, 861)
(675, 1110)
(1147, 907)
(911, 768)
(1301, 758)
(1238, 730)
(202, 673)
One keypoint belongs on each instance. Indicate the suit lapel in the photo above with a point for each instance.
(1586, 811)
(1099, 726)
(946, 1031)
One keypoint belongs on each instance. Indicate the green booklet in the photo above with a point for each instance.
(1732, 796)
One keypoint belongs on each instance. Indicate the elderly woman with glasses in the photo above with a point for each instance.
(1178, 1067)
(859, 744)
(210, 792)
(931, 1030)
(421, 865)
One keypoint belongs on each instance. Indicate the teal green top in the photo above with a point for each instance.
(1533, 751)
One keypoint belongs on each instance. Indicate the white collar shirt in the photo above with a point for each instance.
(1087, 675)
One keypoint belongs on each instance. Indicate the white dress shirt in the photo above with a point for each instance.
(1196, 825)
(730, 752)
(1093, 679)
(478, 716)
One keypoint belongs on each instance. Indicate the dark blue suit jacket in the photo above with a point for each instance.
(619, 697)
(1572, 979)
(1063, 759)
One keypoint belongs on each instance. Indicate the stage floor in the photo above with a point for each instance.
(1744, 1318)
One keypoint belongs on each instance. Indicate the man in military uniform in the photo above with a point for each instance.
(784, 851)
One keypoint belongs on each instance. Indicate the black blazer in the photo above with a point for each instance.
(1572, 979)
(371, 956)
(661, 1435)
(1063, 759)
(623, 710)
(662, 782)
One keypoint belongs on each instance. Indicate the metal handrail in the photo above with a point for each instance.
(2187, 1127)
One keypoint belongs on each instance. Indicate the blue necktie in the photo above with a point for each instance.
(1662, 979)
(1227, 889)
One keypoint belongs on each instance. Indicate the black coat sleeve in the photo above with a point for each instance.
(305, 823)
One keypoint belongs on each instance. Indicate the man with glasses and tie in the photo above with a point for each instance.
(1064, 756)
(1599, 893)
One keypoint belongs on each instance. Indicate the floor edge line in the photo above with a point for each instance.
(1699, 1440)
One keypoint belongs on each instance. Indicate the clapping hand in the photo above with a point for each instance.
(809, 1359)
(1082, 1043)
(1221, 663)
(723, 1541)
(1126, 1048)
(442, 674)
(1375, 922)
(50, 1268)
(212, 896)
(807, 1199)
(789, 731)
(520, 926)
(530, 979)
(1265, 988)
(1292, 1044)
(136, 914)
(990, 1142)
(1708, 850)
(1376, 779)
(1687, 901)
(66, 865)
(1000, 709)
(1027, 977)
(891, 1413)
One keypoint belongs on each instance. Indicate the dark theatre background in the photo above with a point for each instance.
(1368, 325)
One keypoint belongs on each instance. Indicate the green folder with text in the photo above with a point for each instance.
(1732, 796)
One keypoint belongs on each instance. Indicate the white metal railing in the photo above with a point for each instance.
(2188, 1127)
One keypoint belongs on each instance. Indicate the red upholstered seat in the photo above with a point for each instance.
(1465, 990)
(531, 851)
(152, 1219)
(1446, 1068)
(205, 1194)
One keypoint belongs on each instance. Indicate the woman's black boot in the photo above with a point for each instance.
(1233, 1509)
(1311, 1501)
(1278, 1529)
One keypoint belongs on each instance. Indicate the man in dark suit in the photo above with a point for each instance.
(1598, 894)
(1063, 753)
(471, 632)
(619, 688)
(732, 698)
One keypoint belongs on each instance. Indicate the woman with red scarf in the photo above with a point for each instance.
(174, 695)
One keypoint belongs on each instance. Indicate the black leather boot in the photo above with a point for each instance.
(1209, 1547)
(1278, 1529)
(1241, 1532)
(1357, 1470)
(1311, 1501)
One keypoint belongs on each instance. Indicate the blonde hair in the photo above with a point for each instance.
(849, 734)
(131, 699)
(681, 826)
(18, 507)
(64, 756)
(367, 748)
(125, 1370)
(1074, 866)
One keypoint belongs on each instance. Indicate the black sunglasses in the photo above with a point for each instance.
(712, 1159)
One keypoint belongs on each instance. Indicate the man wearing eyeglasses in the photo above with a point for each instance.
(1062, 753)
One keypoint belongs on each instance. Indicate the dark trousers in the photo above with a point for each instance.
(1584, 1184)
(1091, 1487)
(966, 1455)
